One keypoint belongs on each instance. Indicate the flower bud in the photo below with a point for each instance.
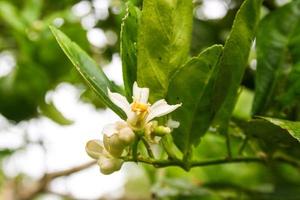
(161, 130)
(126, 136)
(113, 145)
(109, 165)
(94, 148)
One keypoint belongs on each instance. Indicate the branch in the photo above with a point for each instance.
(179, 163)
(29, 192)
(70, 171)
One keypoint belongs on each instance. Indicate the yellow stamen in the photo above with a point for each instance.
(139, 107)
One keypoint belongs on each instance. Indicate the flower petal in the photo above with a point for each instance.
(160, 108)
(95, 149)
(120, 101)
(140, 94)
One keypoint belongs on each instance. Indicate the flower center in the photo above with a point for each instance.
(139, 107)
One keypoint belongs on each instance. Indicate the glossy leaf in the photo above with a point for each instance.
(163, 42)
(277, 31)
(192, 86)
(235, 58)
(129, 31)
(88, 69)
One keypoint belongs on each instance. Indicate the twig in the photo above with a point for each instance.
(70, 171)
(148, 148)
(31, 191)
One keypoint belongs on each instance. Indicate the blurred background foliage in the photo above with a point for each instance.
(32, 64)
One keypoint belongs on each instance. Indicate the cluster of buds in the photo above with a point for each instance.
(119, 136)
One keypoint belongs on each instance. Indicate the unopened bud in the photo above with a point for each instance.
(127, 136)
(113, 145)
(109, 165)
(161, 130)
(94, 148)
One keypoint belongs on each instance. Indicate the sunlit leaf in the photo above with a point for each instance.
(87, 67)
(235, 58)
(163, 42)
(192, 86)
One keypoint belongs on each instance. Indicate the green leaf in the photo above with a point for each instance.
(163, 42)
(50, 111)
(88, 69)
(235, 58)
(192, 86)
(277, 31)
(275, 135)
(129, 31)
(293, 128)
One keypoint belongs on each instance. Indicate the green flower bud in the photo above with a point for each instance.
(109, 165)
(161, 130)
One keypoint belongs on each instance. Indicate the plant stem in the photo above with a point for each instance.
(228, 145)
(224, 131)
(135, 150)
(179, 163)
(148, 148)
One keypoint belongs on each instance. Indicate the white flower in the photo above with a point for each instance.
(116, 137)
(106, 162)
(140, 111)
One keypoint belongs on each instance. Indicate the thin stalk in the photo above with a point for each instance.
(148, 148)
(224, 131)
(179, 163)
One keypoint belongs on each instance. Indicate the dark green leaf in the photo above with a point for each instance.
(277, 31)
(129, 31)
(275, 134)
(163, 42)
(192, 86)
(293, 128)
(88, 69)
(235, 58)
